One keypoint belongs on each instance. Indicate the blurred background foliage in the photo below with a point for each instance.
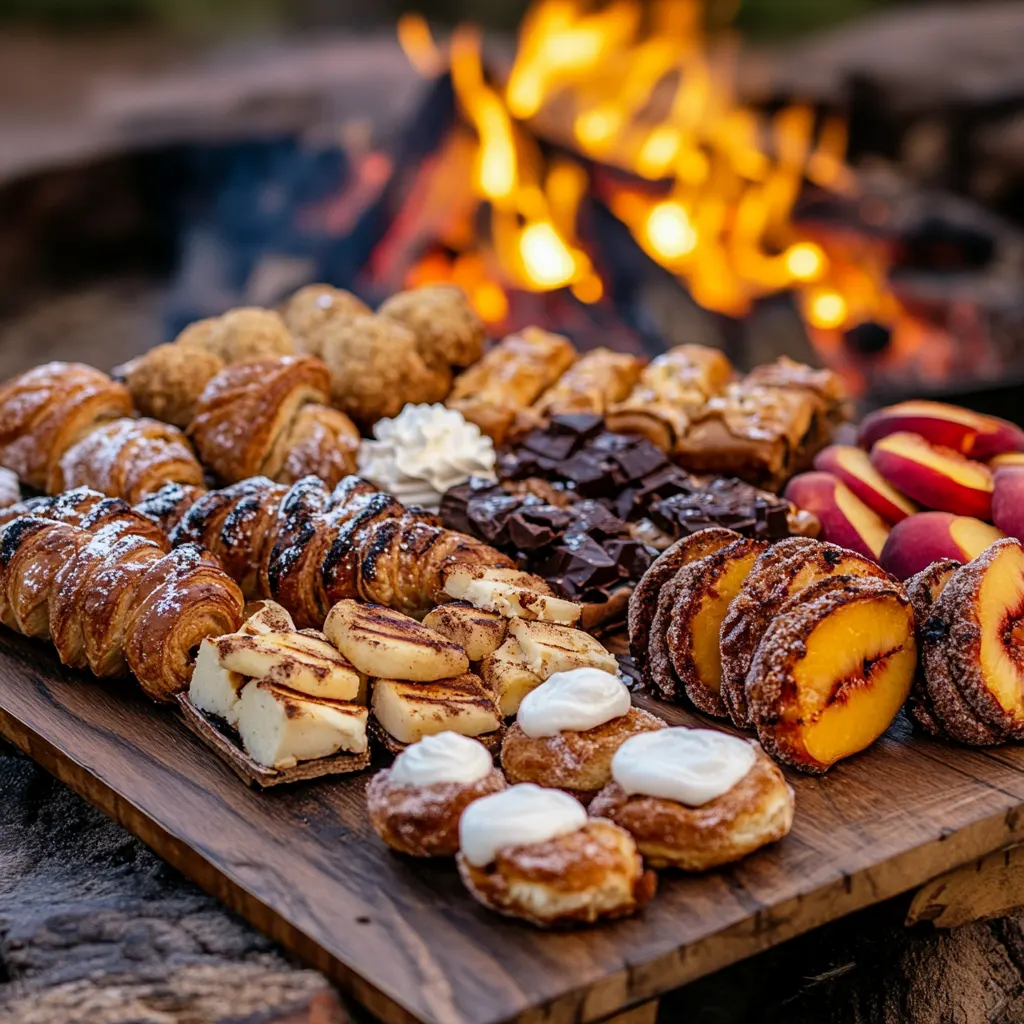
(760, 18)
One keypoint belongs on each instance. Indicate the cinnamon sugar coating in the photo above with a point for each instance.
(643, 602)
(577, 761)
(167, 506)
(239, 335)
(591, 874)
(311, 307)
(423, 821)
(756, 811)
(448, 331)
(782, 571)
(376, 367)
(166, 381)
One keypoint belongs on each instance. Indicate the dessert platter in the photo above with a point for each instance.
(504, 681)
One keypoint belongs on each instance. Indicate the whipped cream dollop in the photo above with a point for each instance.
(424, 450)
(690, 766)
(580, 699)
(443, 757)
(518, 816)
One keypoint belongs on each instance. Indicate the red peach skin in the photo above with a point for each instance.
(937, 478)
(853, 467)
(970, 433)
(929, 536)
(1008, 501)
(845, 519)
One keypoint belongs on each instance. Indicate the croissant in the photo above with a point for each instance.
(308, 547)
(45, 411)
(111, 599)
(127, 458)
(271, 417)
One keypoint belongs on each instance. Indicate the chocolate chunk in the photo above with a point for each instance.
(551, 446)
(581, 425)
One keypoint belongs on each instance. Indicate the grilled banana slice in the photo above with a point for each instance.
(549, 648)
(267, 617)
(509, 592)
(213, 689)
(301, 662)
(386, 644)
(280, 727)
(508, 677)
(410, 711)
(477, 632)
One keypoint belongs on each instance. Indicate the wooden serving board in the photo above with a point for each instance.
(403, 937)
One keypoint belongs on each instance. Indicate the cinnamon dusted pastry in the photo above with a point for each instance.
(695, 798)
(166, 381)
(311, 307)
(308, 547)
(415, 805)
(114, 600)
(269, 417)
(127, 458)
(568, 729)
(448, 332)
(45, 411)
(167, 506)
(496, 392)
(239, 335)
(671, 390)
(595, 382)
(532, 853)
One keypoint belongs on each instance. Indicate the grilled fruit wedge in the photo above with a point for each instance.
(510, 593)
(386, 644)
(971, 641)
(549, 648)
(214, 689)
(508, 677)
(409, 711)
(299, 661)
(279, 727)
(706, 588)
(477, 632)
(833, 671)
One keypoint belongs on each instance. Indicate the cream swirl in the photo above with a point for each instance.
(580, 699)
(690, 766)
(443, 757)
(518, 816)
(424, 450)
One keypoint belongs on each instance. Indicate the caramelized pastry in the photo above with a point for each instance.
(496, 392)
(970, 641)
(672, 390)
(311, 307)
(268, 417)
(128, 458)
(376, 367)
(644, 601)
(45, 411)
(781, 572)
(832, 671)
(695, 798)
(239, 335)
(448, 331)
(166, 381)
(596, 381)
(568, 729)
(705, 590)
(532, 853)
(415, 805)
(167, 506)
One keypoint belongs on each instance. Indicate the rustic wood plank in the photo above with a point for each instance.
(989, 887)
(403, 937)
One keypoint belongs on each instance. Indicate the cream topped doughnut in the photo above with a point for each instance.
(443, 757)
(580, 699)
(518, 816)
(689, 766)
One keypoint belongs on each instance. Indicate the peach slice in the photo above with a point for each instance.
(833, 671)
(1008, 500)
(853, 467)
(930, 536)
(970, 433)
(1007, 459)
(845, 519)
(938, 478)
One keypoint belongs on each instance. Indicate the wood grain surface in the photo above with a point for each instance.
(403, 937)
